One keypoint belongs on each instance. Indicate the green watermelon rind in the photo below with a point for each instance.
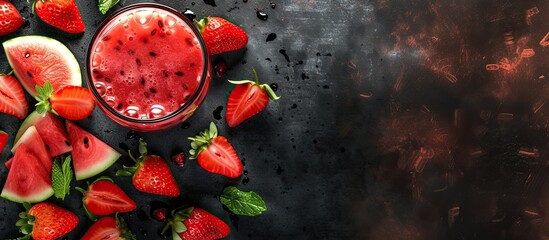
(109, 158)
(64, 51)
(31, 120)
(38, 197)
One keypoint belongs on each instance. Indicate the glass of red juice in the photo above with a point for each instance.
(148, 67)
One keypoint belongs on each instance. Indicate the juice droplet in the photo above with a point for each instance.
(271, 37)
(262, 15)
(189, 14)
(210, 2)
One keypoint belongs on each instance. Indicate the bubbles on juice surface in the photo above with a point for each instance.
(132, 111)
(143, 17)
(96, 60)
(156, 111)
(101, 88)
(170, 21)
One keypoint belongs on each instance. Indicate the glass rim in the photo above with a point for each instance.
(181, 109)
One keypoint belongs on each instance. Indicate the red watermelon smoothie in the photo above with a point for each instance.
(148, 67)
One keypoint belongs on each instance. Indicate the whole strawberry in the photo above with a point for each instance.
(247, 99)
(10, 18)
(109, 228)
(196, 224)
(46, 221)
(215, 154)
(62, 14)
(221, 35)
(151, 174)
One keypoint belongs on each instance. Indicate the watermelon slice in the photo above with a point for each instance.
(51, 131)
(3, 139)
(27, 180)
(31, 138)
(37, 59)
(12, 97)
(90, 155)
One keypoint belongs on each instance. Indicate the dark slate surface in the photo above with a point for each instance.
(390, 125)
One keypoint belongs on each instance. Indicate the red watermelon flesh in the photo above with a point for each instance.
(90, 156)
(3, 140)
(27, 179)
(32, 138)
(8, 163)
(51, 131)
(37, 59)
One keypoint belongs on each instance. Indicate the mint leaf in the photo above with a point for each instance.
(61, 176)
(242, 203)
(105, 5)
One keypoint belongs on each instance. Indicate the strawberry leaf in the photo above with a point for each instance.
(61, 176)
(242, 203)
(179, 227)
(175, 236)
(105, 5)
(44, 94)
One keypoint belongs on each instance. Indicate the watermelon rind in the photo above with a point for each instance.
(103, 155)
(37, 197)
(50, 135)
(51, 45)
(31, 120)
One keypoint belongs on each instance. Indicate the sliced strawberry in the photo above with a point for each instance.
(3, 139)
(73, 102)
(103, 197)
(108, 228)
(10, 18)
(62, 14)
(215, 154)
(247, 99)
(12, 97)
(70, 102)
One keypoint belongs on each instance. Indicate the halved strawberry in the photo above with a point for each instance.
(109, 228)
(12, 97)
(103, 197)
(215, 154)
(70, 102)
(247, 99)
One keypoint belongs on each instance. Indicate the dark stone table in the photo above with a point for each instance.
(420, 119)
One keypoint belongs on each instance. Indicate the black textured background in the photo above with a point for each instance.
(390, 126)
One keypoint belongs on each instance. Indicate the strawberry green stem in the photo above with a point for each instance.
(270, 92)
(201, 24)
